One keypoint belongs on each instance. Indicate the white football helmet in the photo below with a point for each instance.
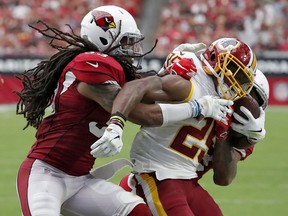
(110, 26)
(233, 63)
(261, 88)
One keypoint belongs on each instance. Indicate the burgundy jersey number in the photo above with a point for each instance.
(194, 142)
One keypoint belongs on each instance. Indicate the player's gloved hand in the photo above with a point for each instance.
(196, 48)
(185, 68)
(250, 127)
(222, 129)
(176, 55)
(216, 108)
(110, 143)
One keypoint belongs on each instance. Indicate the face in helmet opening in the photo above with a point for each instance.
(131, 45)
(130, 49)
(238, 80)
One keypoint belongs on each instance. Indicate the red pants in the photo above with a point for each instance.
(176, 197)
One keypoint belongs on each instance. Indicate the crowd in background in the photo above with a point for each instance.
(260, 23)
(17, 38)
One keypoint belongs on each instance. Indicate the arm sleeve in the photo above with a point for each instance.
(179, 112)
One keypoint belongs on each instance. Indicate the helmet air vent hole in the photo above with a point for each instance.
(212, 55)
(103, 41)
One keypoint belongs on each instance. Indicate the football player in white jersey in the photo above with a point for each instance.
(225, 157)
(260, 92)
(166, 159)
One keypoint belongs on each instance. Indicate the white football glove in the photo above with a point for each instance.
(252, 128)
(109, 144)
(216, 108)
(196, 48)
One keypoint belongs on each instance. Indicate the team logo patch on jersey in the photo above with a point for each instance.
(104, 20)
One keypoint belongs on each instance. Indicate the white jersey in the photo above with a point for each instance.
(174, 151)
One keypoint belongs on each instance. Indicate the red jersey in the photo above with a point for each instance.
(64, 137)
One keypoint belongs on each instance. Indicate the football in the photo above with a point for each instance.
(248, 102)
(252, 105)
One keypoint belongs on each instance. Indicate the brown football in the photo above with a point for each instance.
(252, 105)
(248, 102)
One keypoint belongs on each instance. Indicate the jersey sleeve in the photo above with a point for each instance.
(189, 97)
(245, 152)
(96, 68)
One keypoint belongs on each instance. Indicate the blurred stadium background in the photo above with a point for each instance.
(260, 23)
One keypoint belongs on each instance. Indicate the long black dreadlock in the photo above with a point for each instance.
(40, 82)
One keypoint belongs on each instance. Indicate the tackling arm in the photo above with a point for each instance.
(169, 88)
(111, 142)
(133, 92)
(128, 101)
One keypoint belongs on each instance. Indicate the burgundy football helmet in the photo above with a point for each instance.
(233, 63)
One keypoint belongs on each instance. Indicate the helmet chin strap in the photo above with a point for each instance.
(139, 66)
(223, 92)
(209, 66)
(220, 92)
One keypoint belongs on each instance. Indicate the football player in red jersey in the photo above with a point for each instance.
(167, 159)
(81, 82)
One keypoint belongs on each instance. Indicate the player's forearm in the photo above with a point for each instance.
(133, 92)
(162, 114)
(225, 160)
(146, 115)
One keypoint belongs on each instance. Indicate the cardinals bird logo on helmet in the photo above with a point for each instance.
(104, 20)
(112, 27)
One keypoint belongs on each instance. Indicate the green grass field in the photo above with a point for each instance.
(260, 188)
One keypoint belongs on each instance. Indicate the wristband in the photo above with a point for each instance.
(118, 119)
(241, 151)
(251, 141)
(178, 112)
(196, 108)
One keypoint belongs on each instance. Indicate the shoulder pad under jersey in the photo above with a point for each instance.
(96, 67)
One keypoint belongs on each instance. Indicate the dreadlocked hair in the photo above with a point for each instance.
(40, 82)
